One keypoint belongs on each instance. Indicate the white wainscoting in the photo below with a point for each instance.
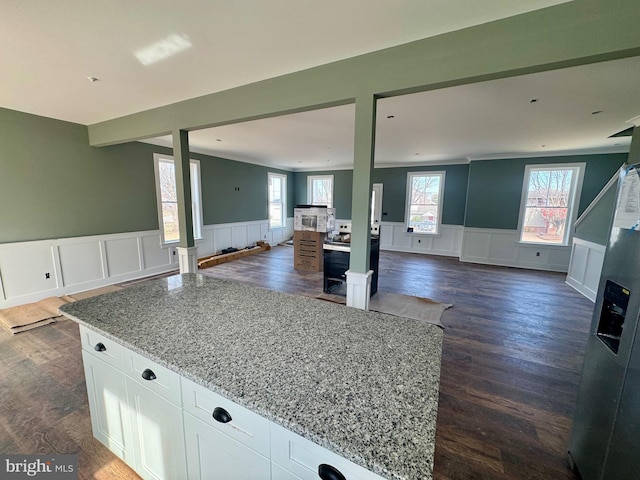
(502, 247)
(31, 271)
(394, 237)
(585, 267)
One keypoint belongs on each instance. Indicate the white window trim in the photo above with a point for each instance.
(578, 179)
(283, 178)
(407, 206)
(196, 198)
(310, 179)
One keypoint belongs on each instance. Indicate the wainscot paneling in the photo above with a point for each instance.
(393, 236)
(31, 271)
(585, 267)
(502, 247)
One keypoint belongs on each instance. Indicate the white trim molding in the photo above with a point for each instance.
(394, 237)
(585, 267)
(31, 271)
(502, 247)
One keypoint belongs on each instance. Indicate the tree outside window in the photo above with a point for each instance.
(424, 194)
(548, 204)
(320, 190)
(166, 190)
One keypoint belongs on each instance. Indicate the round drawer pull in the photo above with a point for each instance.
(327, 472)
(221, 415)
(99, 347)
(148, 374)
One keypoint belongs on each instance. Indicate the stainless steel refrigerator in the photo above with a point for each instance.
(605, 437)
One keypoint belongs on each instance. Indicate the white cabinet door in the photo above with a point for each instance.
(108, 405)
(212, 455)
(158, 437)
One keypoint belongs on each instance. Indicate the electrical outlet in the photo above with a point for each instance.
(419, 240)
(537, 254)
(47, 276)
(173, 251)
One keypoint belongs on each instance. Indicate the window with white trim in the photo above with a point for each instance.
(320, 190)
(277, 186)
(423, 212)
(549, 197)
(167, 197)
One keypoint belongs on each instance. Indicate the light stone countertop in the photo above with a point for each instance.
(361, 384)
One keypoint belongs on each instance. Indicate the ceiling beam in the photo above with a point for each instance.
(570, 34)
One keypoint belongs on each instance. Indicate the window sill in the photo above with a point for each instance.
(422, 234)
(542, 244)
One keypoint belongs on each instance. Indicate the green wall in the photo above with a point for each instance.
(394, 190)
(54, 185)
(221, 203)
(342, 187)
(394, 182)
(595, 225)
(495, 186)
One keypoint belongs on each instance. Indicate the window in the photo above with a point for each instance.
(548, 199)
(320, 190)
(168, 199)
(423, 213)
(277, 200)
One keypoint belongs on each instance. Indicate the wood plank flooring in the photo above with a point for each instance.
(513, 348)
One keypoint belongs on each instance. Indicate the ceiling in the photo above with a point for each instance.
(216, 45)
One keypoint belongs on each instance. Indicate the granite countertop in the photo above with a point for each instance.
(361, 384)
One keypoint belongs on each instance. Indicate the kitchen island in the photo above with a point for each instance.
(362, 385)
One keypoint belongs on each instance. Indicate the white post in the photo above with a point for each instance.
(359, 289)
(188, 259)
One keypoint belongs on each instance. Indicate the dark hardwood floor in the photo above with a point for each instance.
(513, 347)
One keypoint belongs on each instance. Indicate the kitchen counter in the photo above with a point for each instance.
(361, 384)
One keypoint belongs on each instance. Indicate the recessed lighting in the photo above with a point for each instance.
(543, 146)
(391, 116)
(417, 153)
(533, 100)
(93, 79)
(596, 112)
(218, 139)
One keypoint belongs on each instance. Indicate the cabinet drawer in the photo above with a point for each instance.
(102, 347)
(155, 377)
(301, 458)
(245, 426)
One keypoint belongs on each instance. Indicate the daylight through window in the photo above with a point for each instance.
(168, 199)
(424, 202)
(277, 200)
(548, 201)
(320, 190)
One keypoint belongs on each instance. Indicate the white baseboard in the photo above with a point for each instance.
(502, 247)
(394, 237)
(31, 271)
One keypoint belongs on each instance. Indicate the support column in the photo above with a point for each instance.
(359, 276)
(187, 251)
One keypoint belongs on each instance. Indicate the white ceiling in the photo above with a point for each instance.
(51, 47)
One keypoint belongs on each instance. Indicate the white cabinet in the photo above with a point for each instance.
(294, 457)
(167, 427)
(212, 455)
(108, 405)
(139, 420)
(157, 432)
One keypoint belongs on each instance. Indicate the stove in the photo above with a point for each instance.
(337, 250)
